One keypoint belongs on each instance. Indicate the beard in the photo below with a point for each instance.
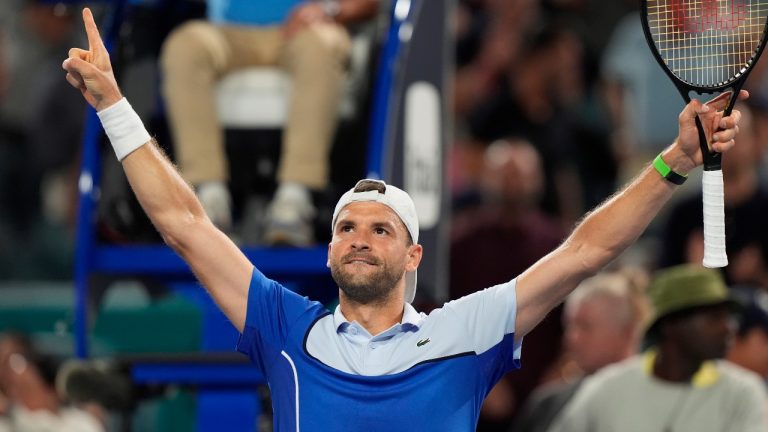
(370, 288)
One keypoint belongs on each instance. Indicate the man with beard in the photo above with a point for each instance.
(376, 364)
(676, 385)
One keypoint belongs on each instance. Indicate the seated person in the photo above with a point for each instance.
(749, 348)
(680, 384)
(28, 398)
(307, 39)
(604, 319)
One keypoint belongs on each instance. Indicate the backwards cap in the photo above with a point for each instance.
(397, 200)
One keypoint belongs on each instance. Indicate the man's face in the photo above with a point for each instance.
(370, 252)
(595, 334)
(704, 333)
(755, 345)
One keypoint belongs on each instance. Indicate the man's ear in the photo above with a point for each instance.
(415, 252)
(328, 259)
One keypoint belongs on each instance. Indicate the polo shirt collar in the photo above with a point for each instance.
(411, 320)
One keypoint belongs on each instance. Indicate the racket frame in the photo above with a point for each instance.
(712, 182)
(712, 159)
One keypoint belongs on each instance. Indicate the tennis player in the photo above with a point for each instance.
(376, 364)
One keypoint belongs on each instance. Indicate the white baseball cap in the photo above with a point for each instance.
(401, 203)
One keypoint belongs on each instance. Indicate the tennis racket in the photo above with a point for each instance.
(706, 47)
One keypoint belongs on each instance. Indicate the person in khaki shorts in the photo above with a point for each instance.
(308, 39)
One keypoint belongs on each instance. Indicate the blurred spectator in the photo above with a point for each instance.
(497, 241)
(594, 21)
(3, 65)
(40, 119)
(489, 37)
(676, 385)
(639, 95)
(28, 399)
(746, 204)
(750, 347)
(604, 320)
(534, 102)
(306, 38)
(54, 148)
(41, 123)
(759, 109)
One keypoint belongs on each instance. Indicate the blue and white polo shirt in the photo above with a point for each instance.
(427, 373)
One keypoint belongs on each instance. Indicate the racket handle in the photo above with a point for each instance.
(714, 220)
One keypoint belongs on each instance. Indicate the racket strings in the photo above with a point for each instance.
(707, 42)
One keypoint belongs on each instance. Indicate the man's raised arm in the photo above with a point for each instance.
(617, 223)
(166, 198)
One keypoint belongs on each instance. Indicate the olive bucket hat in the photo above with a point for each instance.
(685, 287)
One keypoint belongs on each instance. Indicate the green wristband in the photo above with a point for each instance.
(667, 172)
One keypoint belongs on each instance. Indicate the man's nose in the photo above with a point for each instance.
(361, 242)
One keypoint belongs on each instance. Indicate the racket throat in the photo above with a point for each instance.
(712, 159)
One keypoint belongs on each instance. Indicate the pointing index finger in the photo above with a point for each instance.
(95, 44)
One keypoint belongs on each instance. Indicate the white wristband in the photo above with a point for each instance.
(124, 128)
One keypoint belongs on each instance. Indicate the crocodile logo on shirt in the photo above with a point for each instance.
(422, 342)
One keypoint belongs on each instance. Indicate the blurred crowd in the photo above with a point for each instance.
(41, 124)
(556, 103)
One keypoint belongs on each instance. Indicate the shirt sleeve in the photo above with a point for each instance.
(752, 411)
(489, 318)
(271, 311)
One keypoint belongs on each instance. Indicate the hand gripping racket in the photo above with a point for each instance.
(707, 46)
